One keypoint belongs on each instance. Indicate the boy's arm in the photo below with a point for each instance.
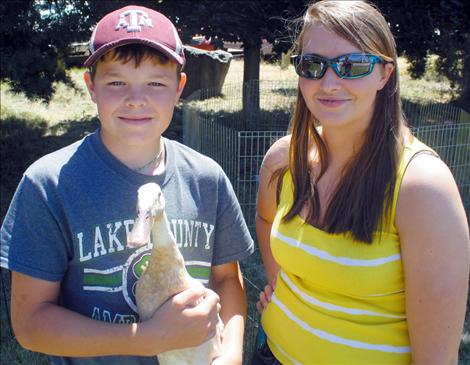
(226, 281)
(41, 325)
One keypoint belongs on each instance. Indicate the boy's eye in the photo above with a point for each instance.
(156, 83)
(116, 83)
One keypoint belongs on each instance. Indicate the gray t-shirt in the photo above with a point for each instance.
(73, 209)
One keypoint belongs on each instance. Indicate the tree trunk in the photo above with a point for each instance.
(251, 105)
(464, 99)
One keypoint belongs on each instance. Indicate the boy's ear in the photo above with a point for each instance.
(89, 84)
(180, 89)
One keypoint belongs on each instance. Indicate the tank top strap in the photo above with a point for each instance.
(413, 148)
(287, 190)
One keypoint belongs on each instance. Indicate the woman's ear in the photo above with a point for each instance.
(385, 75)
(89, 84)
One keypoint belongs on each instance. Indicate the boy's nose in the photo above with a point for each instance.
(135, 98)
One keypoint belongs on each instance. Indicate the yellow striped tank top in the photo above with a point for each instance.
(337, 300)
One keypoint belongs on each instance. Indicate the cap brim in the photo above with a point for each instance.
(159, 46)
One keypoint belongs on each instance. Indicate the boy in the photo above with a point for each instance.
(64, 236)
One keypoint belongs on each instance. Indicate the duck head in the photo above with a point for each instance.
(150, 205)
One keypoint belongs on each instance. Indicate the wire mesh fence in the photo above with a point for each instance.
(217, 127)
(432, 113)
(452, 143)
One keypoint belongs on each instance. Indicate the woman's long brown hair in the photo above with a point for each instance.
(365, 191)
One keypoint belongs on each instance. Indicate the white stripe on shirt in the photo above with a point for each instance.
(336, 339)
(329, 257)
(329, 306)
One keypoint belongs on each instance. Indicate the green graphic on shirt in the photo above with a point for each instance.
(114, 279)
(199, 272)
(140, 265)
(111, 280)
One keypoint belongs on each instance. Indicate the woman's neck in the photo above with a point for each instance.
(342, 145)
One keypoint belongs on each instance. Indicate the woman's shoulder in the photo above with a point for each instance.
(428, 187)
(278, 154)
(413, 145)
(427, 171)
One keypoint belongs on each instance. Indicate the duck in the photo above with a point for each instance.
(165, 274)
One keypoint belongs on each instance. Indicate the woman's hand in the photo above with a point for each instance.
(265, 296)
(227, 359)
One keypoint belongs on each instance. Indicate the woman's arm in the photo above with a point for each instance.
(265, 211)
(41, 325)
(434, 238)
(266, 206)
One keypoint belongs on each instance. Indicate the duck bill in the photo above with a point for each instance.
(140, 233)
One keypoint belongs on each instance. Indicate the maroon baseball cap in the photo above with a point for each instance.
(135, 24)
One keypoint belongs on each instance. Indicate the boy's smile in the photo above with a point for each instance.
(135, 120)
(135, 105)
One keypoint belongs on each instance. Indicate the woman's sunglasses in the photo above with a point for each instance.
(348, 66)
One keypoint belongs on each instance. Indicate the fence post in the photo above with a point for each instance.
(251, 107)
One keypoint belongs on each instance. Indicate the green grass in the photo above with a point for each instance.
(430, 89)
(30, 129)
(66, 104)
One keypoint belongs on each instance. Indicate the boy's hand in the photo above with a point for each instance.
(187, 319)
(265, 297)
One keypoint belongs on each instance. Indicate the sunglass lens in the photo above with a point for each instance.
(350, 66)
(354, 66)
(310, 68)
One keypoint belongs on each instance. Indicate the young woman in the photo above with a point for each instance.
(361, 227)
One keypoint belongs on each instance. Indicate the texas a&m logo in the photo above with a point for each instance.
(134, 20)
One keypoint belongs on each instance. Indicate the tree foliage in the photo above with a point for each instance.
(33, 43)
(441, 27)
(237, 20)
(35, 34)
